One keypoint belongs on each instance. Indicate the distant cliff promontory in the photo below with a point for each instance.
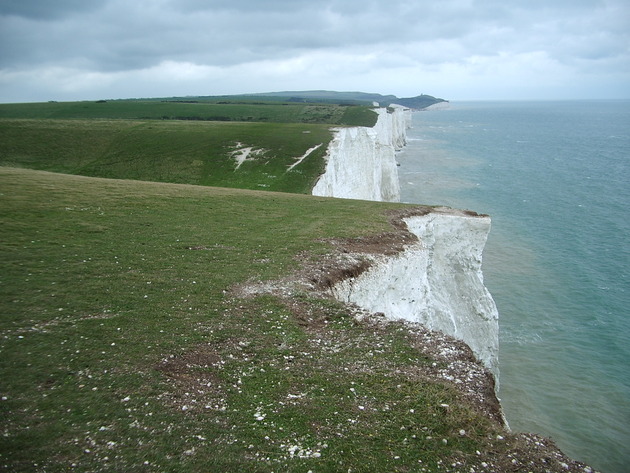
(419, 102)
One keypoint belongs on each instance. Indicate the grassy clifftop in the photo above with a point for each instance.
(273, 146)
(202, 153)
(124, 345)
(209, 109)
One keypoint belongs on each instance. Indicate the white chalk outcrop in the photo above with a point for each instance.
(361, 161)
(244, 153)
(436, 281)
(438, 106)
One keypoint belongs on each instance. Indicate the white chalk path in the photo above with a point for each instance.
(304, 156)
(242, 154)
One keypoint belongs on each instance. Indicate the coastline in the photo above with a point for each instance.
(538, 168)
(418, 285)
(361, 161)
(386, 288)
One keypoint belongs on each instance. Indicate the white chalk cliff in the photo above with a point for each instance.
(436, 281)
(361, 161)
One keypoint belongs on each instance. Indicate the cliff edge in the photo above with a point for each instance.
(408, 280)
(436, 280)
(361, 161)
(428, 274)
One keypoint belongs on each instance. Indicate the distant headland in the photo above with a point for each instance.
(419, 102)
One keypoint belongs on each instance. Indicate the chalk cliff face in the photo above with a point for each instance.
(438, 106)
(436, 281)
(361, 161)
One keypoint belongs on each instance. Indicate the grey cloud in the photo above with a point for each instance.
(112, 36)
(43, 10)
(136, 34)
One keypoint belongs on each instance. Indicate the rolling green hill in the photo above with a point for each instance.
(417, 103)
(192, 152)
(123, 348)
(127, 345)
(240, 109)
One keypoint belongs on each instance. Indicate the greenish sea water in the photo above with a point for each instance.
(555, 178)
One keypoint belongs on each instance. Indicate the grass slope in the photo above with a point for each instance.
(129, 140)
(122, 349)
(169, 151)
(211, 110)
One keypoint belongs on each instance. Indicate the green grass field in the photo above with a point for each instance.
(225, 110)
(123, 346)
(123, 350)
(192, 152)
(129, 139)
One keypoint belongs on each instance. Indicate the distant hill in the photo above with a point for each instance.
(417, 103)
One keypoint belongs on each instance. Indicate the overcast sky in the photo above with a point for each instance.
(454, 49)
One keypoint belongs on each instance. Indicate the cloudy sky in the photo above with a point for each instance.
(455, 49)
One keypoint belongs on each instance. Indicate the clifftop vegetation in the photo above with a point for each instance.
(126, 346)
(417, 103)
(231, 108)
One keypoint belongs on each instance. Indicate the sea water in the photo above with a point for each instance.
(555, 178)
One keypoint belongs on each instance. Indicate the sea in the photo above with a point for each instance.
(555, 178)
